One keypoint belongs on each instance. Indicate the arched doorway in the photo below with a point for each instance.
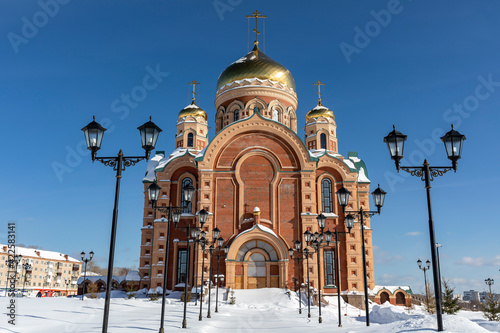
(400, 298)
(384, 297)
(257, 272)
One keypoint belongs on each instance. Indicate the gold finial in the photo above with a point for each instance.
(319, 84)
(194, 83)
(256, 15)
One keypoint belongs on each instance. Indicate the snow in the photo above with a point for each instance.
(392, 289)
(362, 176)
(320, 107)
(38, 254)
(269, 310)
(261, 227)
(152, 164)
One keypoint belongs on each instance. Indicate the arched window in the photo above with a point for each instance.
(186, 182)
(326, 195)
(275, 115)
(236, 115)
(323, 140)
(190, 140)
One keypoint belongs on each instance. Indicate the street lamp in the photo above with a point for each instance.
(174, 215)
(86, 261)
(215, 237)
(94, 133)
(67, 282)
(301, 255)
(203, 243)
(299, 258)
(453, 142)
(489, 282)
(349, 222)
(220, 242)
(378, 198)
(425, 269)
(197, 240)
(27, 274)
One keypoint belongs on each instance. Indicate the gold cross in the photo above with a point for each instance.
(194, 83)
(319, 84)
(256, 15)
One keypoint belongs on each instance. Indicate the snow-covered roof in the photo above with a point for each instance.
(131, 276)
(261, 227)
(158, 162)
(362, 176)
(392, 289)
(39, 254)
(152, 164)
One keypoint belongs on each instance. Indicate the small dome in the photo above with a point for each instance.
(320, 111)
(193, 110)
(256, 65)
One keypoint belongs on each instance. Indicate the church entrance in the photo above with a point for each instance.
(257, 275)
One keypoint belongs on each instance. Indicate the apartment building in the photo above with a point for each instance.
(39, 272)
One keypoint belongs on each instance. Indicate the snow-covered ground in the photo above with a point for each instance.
(259, 311)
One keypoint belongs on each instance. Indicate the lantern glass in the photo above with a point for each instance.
(176, 216)
(428, 263)
(379, 197)
(203, 234)
(453, 142)
(220, 242)
(153, 192)
(195, 232)
(298, 245)
(290, 252)
(343, 196)
(91, 254)
(321, 220)
(328, 236)
(419, 263)
(307, 236)
(349, 221)
(215, 233)
(395, 142)
(94, 133)
(211, 249)
(149, 135)
(203, 214)
(188, 192)
(82, 255)
(226, 249)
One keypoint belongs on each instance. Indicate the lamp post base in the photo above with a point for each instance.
(320, 320)
(309, 315)
(200, 318)
(161, 330)
(300, 311)
(184, 323)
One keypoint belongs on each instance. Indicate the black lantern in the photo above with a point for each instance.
(321, 221)
(93, 136)
(176, 216)
(82, 255)
(298, 245)
(453, 142)
(203, 234)
(220, 242)
(349, 221)
(195, 232)
(343, 197)
(226, 249)
(307, 236)
(149, 134)
(203, 214)
(215, 233)
(328, 236)
(395, 142)
(91, 254)
(153, 193)
(188, 192)
(379, 197)
(290, 252)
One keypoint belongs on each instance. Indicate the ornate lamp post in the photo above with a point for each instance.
(299, 258)
(27, 274)
(220, 242)
(378, 198)
(94, 133)
(67, 282)
(174, 215)
(453, 142)
(349, 225)
(86, 261)
(203, 243)
(215, 236)
(198, 239)
(489, 282)
(305, 253)
(425, 269)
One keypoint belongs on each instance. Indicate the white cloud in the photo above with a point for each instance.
(413, 233)
(479, 261)
(383, 257)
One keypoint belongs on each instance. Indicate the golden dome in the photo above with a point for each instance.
(193, 110)
(320, 111)
(256, 65)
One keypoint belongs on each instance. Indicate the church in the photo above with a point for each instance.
(263, 184)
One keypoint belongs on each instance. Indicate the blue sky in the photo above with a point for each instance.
(420, 65)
